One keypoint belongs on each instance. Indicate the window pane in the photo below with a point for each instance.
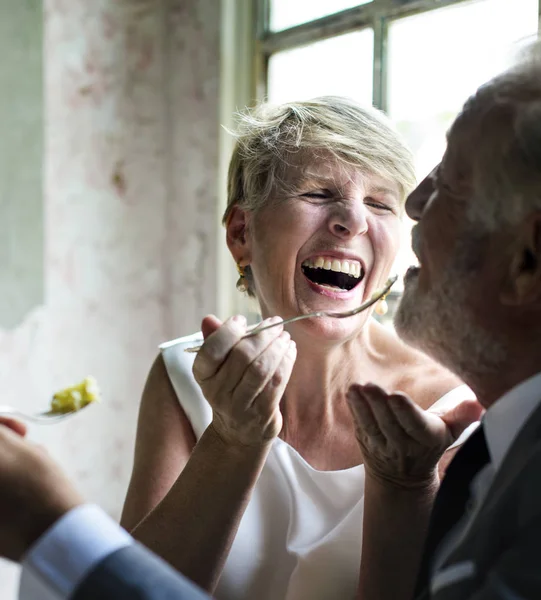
(288, 13)
(437, 60)
(339, 66)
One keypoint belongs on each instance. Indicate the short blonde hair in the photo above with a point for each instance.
(268, 136)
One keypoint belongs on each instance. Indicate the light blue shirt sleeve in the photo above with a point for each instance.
(65, 555)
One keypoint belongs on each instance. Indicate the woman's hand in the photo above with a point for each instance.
(244, 379)
(401, 443)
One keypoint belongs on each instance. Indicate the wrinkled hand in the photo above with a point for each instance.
(34, 493)
(244, 379)
(401, 443)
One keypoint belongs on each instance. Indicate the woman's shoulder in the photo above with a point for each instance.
(416, 374)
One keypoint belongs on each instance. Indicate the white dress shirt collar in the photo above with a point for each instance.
(506, 417)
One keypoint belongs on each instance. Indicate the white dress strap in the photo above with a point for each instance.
(179, 366)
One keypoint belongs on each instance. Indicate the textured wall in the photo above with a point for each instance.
(193, 88)
(131, 114)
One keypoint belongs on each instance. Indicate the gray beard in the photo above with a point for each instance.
(440, 324)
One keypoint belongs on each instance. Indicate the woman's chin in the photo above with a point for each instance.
(329, 330)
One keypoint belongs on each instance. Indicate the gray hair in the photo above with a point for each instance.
(506, 167)
(271, 138)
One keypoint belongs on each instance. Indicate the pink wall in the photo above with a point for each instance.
(130, 208)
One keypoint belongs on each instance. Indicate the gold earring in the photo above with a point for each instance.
(242, 284)
(382, 307)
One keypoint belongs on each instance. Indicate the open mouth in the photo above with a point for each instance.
(412, 272)
(332, 273)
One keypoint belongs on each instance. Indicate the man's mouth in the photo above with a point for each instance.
(412, 272)
(333, 273)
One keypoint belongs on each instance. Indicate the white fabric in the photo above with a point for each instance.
(502, 423)
(60, 560)
(300, 537)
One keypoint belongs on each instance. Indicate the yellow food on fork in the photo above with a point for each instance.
(76, 397)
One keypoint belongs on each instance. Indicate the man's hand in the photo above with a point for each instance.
(17, 426)
(401, 443)
(34, 493)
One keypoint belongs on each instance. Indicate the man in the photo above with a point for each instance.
(474, 304)
(69, 549)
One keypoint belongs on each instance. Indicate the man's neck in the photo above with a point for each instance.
(490, 387)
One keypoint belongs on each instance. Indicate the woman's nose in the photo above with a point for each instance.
(349, 221)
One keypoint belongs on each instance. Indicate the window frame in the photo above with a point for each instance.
(377, 14)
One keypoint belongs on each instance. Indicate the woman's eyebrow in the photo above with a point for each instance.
(315, 178)
(387, 192)
(383, 190)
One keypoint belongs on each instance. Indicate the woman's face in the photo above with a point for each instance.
(327, 245)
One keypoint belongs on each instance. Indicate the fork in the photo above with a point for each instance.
(44, 418)
(378, 295)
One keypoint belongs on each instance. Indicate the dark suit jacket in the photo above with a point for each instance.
(500, 556)
(135, 573)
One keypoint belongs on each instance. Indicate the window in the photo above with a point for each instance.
(418, 61)
(318, 68)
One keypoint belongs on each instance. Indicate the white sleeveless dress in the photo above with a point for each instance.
(300, 537)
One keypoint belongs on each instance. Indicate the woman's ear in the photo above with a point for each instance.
(523, 285)
(237, 236)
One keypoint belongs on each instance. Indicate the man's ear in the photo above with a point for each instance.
(237, 236)
(523, 281)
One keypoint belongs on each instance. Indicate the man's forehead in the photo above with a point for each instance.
(475, 133)
(460, 161)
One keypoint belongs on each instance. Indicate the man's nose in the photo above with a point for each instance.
(349, 221)
(417, 200)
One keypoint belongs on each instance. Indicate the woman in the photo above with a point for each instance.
(249, 471)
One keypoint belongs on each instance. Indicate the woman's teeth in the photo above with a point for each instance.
(332, 273)
(350, 267)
